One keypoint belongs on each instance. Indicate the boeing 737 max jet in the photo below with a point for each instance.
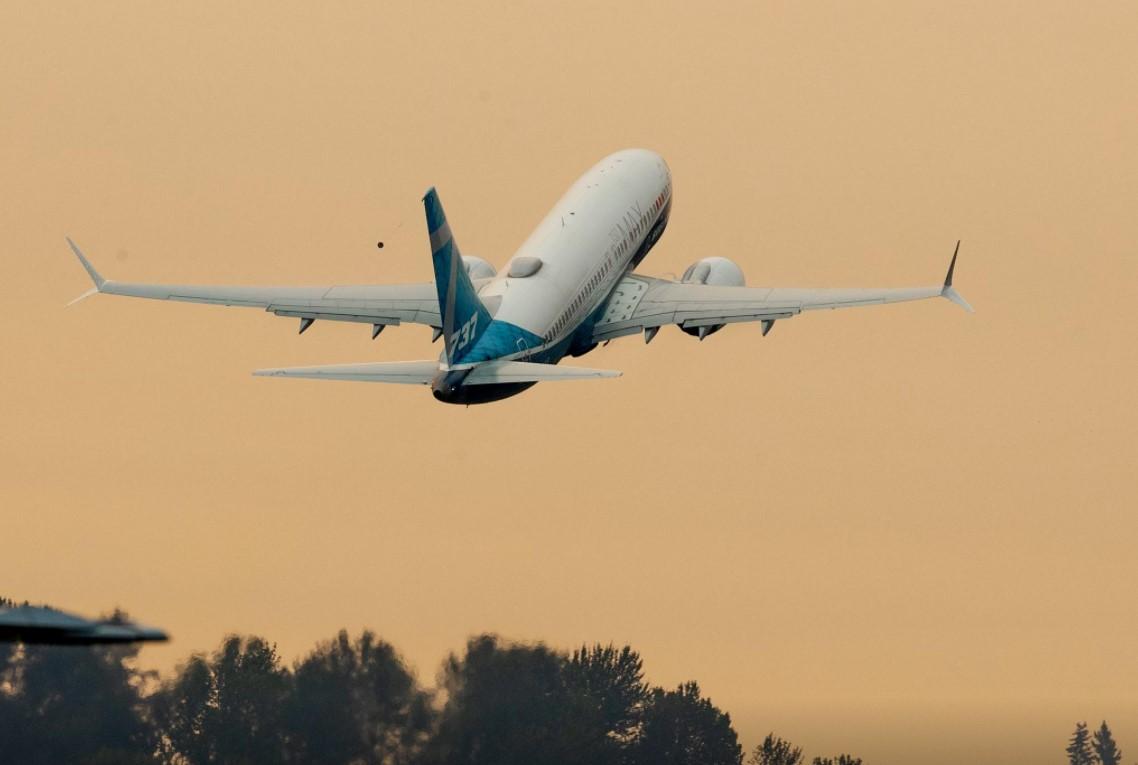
(570, 286)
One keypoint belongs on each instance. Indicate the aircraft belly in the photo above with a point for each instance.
(482, 394)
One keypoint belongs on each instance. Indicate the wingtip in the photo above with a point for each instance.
(956, 297)
(84, 296)
(947, 291)
(952, 265)
(90, 269)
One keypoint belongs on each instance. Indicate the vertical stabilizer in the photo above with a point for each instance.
(463, 315)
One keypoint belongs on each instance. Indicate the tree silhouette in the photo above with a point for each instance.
(1079, 749)
(356, 702)
(73, 704)
(514, 703)
(1106, 751)
(7, 650)
(606, 694)
(775, 751)
(682, 728)
(226, 708)
(506, 705)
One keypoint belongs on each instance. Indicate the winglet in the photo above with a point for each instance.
(95, 277)
(947, 290)
(952, 265)
(84, 296)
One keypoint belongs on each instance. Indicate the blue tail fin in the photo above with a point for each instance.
(463, 315)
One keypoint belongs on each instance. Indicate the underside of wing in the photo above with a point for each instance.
(370, 304)
(403, 372)
(379, 305)
(643, 304)
(423, 372)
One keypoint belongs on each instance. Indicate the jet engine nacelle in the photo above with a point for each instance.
(477, 268)
(718, 272)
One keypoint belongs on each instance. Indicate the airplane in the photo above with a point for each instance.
(570, 286)
(41, 625)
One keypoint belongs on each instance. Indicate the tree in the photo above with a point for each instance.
(356, 702)
(506, 705)
(775, 751)
(606, 694)
(226, 708)
(7, 651)
(1079, 749)
(73, 704)
(1106, 751)
(841, 759)
(681, 727)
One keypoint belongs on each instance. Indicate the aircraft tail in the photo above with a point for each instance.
(464, 316)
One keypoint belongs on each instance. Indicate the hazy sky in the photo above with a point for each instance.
(904, 531)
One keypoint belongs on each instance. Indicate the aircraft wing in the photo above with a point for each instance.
(642, 303)
(378, 305)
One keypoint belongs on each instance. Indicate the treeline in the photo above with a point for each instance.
(355, 702)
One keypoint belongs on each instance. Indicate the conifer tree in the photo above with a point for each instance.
(1104, 747)
(1079, 749)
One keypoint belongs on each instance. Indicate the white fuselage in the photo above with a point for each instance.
(592, 237)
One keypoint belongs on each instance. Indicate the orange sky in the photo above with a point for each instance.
(902, 531)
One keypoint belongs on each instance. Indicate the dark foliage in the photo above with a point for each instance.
(511, 703)
(226, 708)
(841, 759)
(507, 705)
(681, 727)
(607, 693)
(1106, 751)
(356, 702)
(775, 751)
(72, 704)
(1079, 749)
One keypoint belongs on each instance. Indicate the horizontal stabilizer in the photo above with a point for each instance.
(527, 371)
(405, 372)
(423, 372)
